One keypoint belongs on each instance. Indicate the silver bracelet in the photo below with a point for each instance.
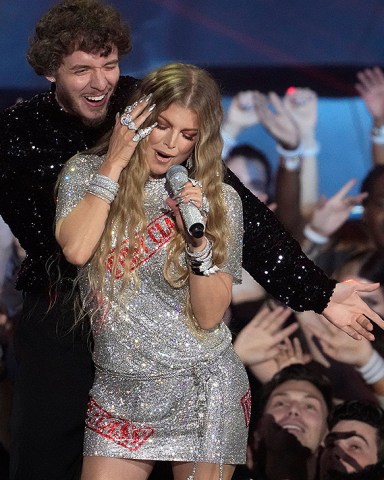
(101, 192)
(200, 254)
(204, 209)
(103, 187)
(201, 262)
(105, 182)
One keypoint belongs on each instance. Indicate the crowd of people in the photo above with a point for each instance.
(134, 345)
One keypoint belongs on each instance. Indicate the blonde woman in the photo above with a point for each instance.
(168, 384)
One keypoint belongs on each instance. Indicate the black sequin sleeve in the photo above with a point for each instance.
(275, 259)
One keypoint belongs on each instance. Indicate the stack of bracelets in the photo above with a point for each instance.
(201, 262)
(103, 187)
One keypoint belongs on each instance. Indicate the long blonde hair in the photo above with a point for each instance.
(195, 89)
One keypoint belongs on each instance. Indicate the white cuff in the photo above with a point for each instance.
(313, 236)
(377, 135)
(373, 370)
(288, 153)
(300, 150)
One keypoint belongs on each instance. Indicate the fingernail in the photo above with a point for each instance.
(148, 97)
(152, 107)
(141, 100)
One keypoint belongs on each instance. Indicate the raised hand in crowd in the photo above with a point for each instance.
(370, 86)
(330, 214)
(241, 114)
(291, 121)
(302, 104)
(361, 355)
(259, 340)
(277, 120)
(291, 352)
(339, 346)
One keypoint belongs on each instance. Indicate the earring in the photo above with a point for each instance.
(189, 163)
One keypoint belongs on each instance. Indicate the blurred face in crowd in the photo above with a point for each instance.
(350, 446)
(85, 83)
(299, 408)
(374, 212)
(252, 174)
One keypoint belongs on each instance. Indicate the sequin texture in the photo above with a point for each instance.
(37, 138)
(275, 259)
(161, 392)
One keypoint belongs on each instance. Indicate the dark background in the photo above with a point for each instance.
(266, 43)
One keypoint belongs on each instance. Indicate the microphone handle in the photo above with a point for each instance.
(193, 219)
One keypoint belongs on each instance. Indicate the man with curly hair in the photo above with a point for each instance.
(76, 46)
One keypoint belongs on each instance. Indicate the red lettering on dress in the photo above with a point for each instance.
(246, 403)
(159, 232)
(122, 432)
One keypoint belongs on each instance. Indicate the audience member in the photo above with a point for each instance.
(285, 439)
(354, 446)
(253, 168)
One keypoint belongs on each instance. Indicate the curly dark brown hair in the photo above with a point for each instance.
(86, 25)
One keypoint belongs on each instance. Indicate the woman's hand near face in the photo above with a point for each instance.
(122, 143)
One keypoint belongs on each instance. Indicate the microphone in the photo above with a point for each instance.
(177, 177)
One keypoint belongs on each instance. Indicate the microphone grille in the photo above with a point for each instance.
(177, 176)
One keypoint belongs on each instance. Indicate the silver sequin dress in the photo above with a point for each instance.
(160, 391)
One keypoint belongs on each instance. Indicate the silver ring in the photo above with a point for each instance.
(196, 183)
(143, 132)
(204, 209)
(126, 119)
(130, 108)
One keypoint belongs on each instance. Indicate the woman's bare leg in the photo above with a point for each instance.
(205, 471)
(106, 468)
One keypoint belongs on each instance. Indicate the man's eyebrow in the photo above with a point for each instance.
(332, 436)
(286, 394)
